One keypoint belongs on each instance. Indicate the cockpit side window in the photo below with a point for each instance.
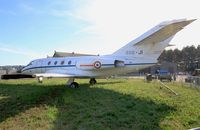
(31, 63)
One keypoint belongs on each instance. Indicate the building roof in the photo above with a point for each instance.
(67, 54)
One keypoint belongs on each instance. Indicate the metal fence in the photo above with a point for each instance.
(193, 80)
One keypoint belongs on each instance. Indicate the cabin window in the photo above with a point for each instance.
(69, 62)
(55, 63)
(49, 62)
(62, 62)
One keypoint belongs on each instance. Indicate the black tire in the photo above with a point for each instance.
(74, 85)
(92, 81)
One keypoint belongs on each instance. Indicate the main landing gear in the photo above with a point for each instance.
(92, 81)
(72, 84)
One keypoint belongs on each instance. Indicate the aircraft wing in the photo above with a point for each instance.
(54, 74)
(162, 31)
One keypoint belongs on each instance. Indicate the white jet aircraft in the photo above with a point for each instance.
(138, 54)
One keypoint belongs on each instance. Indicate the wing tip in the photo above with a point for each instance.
(177, 21)
(191, 20)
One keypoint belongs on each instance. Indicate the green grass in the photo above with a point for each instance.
(109, 105)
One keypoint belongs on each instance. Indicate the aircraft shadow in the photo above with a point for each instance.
(83, 108)
(109, 82)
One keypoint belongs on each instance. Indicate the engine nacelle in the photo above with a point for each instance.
(98, 64)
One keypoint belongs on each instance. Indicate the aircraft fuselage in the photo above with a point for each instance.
(86, 66)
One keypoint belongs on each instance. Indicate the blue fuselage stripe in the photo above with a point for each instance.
(40, 67)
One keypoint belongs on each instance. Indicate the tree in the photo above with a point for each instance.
(188, 57)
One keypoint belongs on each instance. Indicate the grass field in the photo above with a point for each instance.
(109, 105)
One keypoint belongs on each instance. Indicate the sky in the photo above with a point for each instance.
(31, 29)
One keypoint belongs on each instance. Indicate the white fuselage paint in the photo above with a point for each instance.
(71, 66)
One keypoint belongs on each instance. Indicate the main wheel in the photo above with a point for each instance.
(74, 85)
(93, 81)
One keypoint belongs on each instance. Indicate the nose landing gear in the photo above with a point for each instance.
(40, 79)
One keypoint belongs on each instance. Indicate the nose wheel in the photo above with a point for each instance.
(92, 81)
(40, 79)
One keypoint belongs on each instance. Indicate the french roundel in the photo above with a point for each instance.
(97, 64)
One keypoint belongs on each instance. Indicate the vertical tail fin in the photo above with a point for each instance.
(153, 42)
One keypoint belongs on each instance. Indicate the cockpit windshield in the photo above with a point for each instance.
(30, 63)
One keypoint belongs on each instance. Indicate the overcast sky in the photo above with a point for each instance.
(32, 29)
